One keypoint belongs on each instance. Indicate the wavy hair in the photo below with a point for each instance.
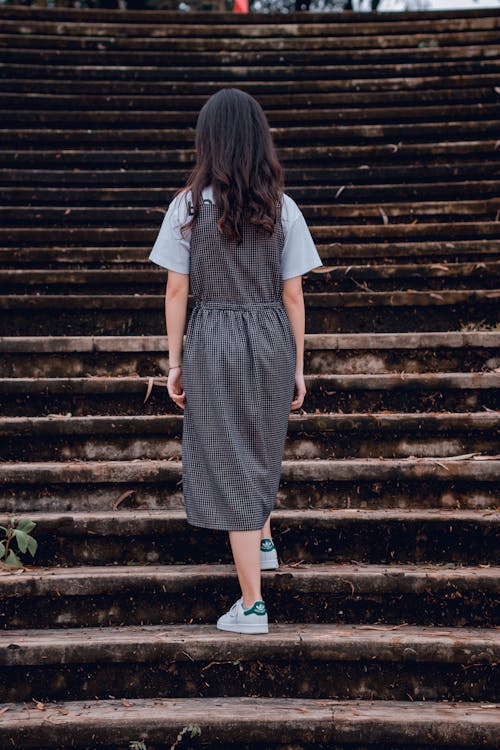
(235, 154)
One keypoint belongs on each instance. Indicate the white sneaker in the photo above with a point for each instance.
(268, 555)
(239, 620)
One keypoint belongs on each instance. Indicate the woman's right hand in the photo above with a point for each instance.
(299, 392)
(175, 387)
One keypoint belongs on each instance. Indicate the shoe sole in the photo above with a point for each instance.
(272, 563)
(244, 629)
(269, 566)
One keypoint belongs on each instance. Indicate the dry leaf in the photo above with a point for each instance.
(123, 497)
(385, 218)
(149, 389)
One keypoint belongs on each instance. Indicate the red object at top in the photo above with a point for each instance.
(240, 6)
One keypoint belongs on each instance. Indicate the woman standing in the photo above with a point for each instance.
(243, 245)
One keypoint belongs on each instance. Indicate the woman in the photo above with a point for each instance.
(243, 245)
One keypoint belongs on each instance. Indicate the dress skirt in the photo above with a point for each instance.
(238, 376)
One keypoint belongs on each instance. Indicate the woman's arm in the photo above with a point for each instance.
(176, 300)
(293, 301)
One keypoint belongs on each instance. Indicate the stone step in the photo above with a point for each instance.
(325, 354)
(480, 46)
(386, 158)
(281, 88)
(366, 278)
(468, 488)
(343, 312)
(466, 482)
(345, 253)
(399, 204)
(121, 472)
(401, 192)
(195, 92)
(359, 44)
(230, 723)
(254, 68)
(329, 661)
(160, 537)
(90, 596)
(326, 436)
(99, 118)
(322, 135)
(323, 25)
(472, 90)
(338, 234)
(344, 215)
(86, 396)
(352, 36)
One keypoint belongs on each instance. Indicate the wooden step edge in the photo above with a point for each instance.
(332, 50)
(252, 25)
(79, 581)
(312, 342)
(112, 385)
(371, 250)
(145, 15)
(320, 470)
(180, 157)
(153, 275)
(98, 117)
(424, 423)
(329, 237)
(203, 642)
(41, 93)
(306, 134)
(378, 72)
(118, 193)
(391, 299)
(78, 523)
(111, 722)
(99, 181)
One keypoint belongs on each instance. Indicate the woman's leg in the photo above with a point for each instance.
(246, 552)
(266, 529)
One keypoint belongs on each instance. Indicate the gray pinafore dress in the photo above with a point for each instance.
(238, 373)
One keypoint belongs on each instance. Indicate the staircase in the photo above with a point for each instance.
(383, 621)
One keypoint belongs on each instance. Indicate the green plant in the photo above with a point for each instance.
(193, 730)
(18, 530)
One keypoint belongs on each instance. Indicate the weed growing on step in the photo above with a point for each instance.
(193, 730)
(186, 733)
(18, 531)
(480, 325)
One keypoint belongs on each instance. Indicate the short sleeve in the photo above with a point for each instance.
(171, 249)
(299, 252)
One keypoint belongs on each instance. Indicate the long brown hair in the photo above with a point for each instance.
(235, 154)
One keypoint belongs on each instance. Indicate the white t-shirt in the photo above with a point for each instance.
(171, 249)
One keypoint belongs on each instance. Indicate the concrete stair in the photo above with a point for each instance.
(384, 611)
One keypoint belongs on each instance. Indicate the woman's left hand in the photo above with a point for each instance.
(175, 388)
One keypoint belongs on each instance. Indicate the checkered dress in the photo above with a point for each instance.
(238, 375)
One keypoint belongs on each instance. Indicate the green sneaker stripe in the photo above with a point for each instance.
(258, 608)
